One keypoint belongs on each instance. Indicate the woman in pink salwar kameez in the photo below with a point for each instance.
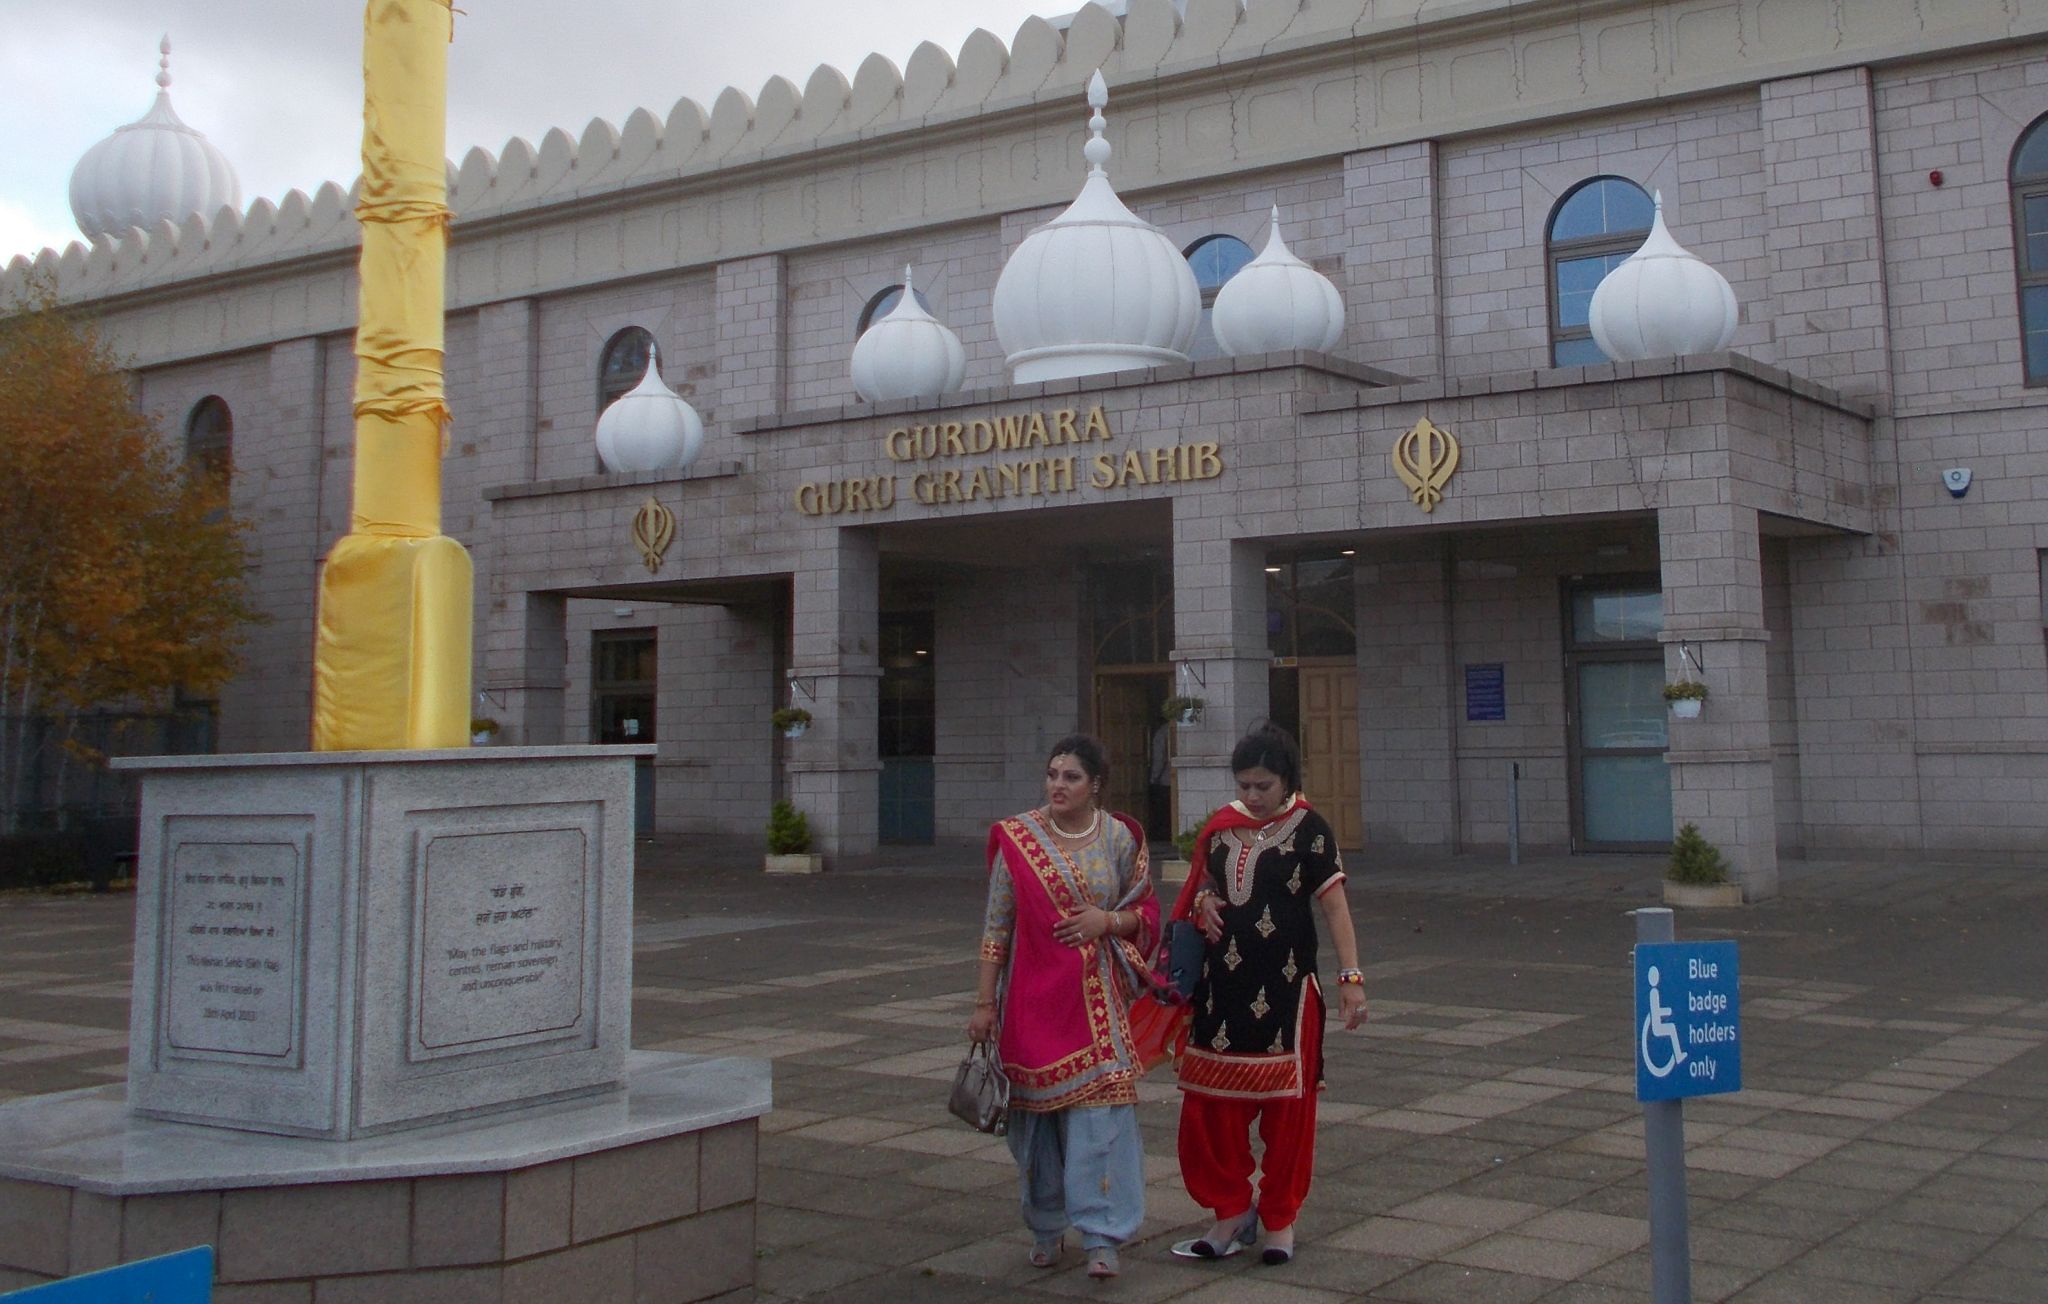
(1067, 943)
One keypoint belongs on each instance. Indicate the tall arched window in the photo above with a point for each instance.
(2030, 246)
(1214, 259)
(622, 364)
(882, 302)
(210, 438)
(1596, 225)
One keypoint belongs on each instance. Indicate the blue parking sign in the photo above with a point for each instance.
(1688, 1020)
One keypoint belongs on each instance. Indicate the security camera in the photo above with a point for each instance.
(1957, 481)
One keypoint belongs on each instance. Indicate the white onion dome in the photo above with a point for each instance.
(650, 427)
(907, 354)
(154, 169)
(1095, 289)
(1663, 301)
(1277, 303)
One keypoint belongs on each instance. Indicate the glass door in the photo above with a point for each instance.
(622, 698)
(1614, 677)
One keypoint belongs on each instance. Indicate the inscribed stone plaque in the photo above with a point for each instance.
(502, 936)
(232, 947)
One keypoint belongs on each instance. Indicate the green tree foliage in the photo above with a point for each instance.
(1695, 860)
(789, 830)
(122, 577)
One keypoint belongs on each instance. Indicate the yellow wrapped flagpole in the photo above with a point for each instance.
(391, 656)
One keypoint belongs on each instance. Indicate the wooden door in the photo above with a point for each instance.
(1123, 720)
(1330, 768)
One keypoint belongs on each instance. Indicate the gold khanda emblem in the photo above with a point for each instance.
(1424, 459)
(654, 528)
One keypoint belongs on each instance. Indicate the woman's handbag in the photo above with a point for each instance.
(1184, 946)
(981, 1093)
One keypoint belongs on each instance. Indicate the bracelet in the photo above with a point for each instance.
(1351, 977)
(984, 1005)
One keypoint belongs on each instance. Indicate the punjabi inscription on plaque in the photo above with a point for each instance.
(233, 947)
(502, 936)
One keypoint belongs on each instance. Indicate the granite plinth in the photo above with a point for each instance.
(646, 1193)
(339, 944)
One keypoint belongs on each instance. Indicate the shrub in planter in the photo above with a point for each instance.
(789, 830)
(1185, 840)
(1695, 861)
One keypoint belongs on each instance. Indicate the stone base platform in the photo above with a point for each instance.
(646, 1194)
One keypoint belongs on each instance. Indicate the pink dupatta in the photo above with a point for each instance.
(1066, 1037)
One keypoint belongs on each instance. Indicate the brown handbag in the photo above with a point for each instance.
(981, 1092)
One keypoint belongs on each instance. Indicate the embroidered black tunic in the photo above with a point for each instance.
(1248, 1005)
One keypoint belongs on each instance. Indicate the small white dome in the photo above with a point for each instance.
(649, 427)
(1277, 303)
(153, 170)
(907, 354)
(1095, 289)
(1663, 301)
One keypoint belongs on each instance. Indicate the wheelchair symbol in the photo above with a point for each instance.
(1659, 1025)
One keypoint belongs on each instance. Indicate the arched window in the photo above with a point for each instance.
(1598, 224)
(622, 364)
(880, 305)
(2030, 245)
(1214, 259)
(210, 438)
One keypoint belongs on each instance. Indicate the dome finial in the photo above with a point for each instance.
(908, 292)
(163, 63)
(1097, 150)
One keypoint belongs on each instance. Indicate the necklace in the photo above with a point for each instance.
(1094, 822)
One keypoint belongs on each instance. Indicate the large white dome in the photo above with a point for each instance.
(152, 170)
(1663, 301)
(1095, 289)
(1277, 303)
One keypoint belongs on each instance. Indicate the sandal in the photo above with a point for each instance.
(1102, 1261)
(1046, 1254)
(1274, 1255)
(1247, 1233)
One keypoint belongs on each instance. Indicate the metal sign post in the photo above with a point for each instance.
(1687, 1043)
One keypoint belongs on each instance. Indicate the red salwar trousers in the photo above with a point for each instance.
(1216, 1144)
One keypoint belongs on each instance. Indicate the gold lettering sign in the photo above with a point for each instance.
(1424, 459)
(654, 528)
(1025, 476)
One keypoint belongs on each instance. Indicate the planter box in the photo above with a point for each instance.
(798, 864)
(1172, 871)
(1702, 896)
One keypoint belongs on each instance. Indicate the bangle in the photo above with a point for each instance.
(984, 1005)
(1351, 978)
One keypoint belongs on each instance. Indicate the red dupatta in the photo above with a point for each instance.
(1066, 1037)
(1226, 818)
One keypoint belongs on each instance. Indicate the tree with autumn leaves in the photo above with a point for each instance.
(121, 571)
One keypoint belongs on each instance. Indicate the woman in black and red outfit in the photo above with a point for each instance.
(1264, 866)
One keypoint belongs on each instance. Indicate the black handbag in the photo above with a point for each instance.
(981, 1092)
(1184, 947)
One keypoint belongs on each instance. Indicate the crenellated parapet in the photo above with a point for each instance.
(960, 137)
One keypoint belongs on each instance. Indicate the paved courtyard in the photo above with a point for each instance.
(1480, 1140)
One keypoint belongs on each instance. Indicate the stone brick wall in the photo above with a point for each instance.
(670, 1219)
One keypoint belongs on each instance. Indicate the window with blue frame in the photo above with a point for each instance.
(622, 364)
(1597, 225)
(2030, 246)
(880, 304)
(1214, 259)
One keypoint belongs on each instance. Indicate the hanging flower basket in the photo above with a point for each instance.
(482, 730)
(1685, 697)
(1181, 710)
(793, 721)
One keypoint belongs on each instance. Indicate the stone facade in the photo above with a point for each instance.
(1872, 646)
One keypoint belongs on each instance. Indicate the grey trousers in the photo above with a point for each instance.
(1083, 1168)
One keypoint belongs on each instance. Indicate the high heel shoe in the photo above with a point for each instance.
(1046, 1254)
(1102, 1261)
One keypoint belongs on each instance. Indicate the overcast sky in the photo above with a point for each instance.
(277, 84)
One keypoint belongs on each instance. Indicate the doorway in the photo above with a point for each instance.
(1140, 745)
(1615, 715)
(622, 698)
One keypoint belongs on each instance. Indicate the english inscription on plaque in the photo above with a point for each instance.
(232, 947)
(501, 936)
